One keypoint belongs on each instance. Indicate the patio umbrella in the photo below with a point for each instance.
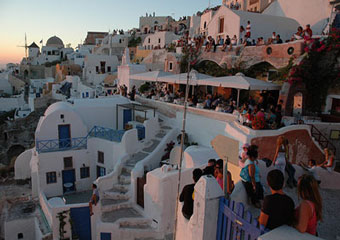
(149, 76)
(194, 78)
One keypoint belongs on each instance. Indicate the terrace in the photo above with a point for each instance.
(55, 145)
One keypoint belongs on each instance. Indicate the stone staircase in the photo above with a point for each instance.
(116, 204)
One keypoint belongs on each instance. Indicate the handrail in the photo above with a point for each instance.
(321, 139)
(54, 145)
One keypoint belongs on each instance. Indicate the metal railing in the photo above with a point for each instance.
(56, 145)
(107, 133)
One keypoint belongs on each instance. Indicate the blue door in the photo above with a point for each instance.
(81, 223)
(69, 178)
(64, 136)
(105, 236)
(127, 116)
(87, 94)
(140, 131)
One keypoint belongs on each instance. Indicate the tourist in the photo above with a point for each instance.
(310, 210)
(278, 208)
(248, 30)
(233, 42)
(281, 153)
(132, 94)
(307, 33)
(243, 155)
(227, 43)
(242, 34)
(210, 169)
(207, 102)
(278, 39)
(219, 177)
(187, 195)
(298, 35)
(94, 198)
(312, 168)
(250, 176)
(329, 160)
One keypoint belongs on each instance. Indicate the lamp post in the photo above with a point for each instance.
(191, 60)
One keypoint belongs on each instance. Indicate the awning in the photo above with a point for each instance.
(239, 81)
(149, 76)
(194, 78)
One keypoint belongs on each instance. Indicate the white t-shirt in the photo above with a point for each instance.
(248, 28)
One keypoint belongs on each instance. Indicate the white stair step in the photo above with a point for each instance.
(124, 179)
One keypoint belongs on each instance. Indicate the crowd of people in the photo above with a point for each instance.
(278, 209)
(245, 39)
(214, 168)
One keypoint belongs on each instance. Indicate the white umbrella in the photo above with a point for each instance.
(194, 78)
(149, 76)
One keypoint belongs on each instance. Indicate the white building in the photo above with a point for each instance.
(5, 86)
(195, 23)
(53, 51)
(150, 23)
(313, 12)
(228, 22)
(126, 69)
(206, 17)
(97, 67)
(159, 40)
(113, 44)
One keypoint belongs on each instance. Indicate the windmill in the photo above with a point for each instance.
(26, 47)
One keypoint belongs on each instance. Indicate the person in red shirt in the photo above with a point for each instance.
(308, 31)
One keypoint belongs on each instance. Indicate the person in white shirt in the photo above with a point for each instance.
(248, 30)
(94, 198)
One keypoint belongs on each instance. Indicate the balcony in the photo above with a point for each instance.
(107, 134)
(55, 145)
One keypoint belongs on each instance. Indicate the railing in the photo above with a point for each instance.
(234, 224)
(321, 139)
(55, 145)
(106, 133)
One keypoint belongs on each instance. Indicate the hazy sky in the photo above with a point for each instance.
(71, 19)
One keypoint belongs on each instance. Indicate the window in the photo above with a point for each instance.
(120, 40)
(100, 157)
(221, 25)
(101, 171)
(149, 40)
(109, 68)
(68, 163)
(205, 25)
(51, 177)
(97, 69)
(84, 172)
(20, 235)
(170, 66)
(159, 40)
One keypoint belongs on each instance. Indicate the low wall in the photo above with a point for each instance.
(151, 161)
(301, 145)
(22, 167)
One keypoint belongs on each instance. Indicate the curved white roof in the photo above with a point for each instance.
(58, 106)
(55, 42)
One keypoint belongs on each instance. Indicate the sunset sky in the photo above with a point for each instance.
(71, 19)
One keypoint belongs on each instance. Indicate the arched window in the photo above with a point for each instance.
(20, 235)
(205, 25)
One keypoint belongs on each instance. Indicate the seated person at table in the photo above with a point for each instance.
(187, 195)
(207, 102)
(278, 208)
